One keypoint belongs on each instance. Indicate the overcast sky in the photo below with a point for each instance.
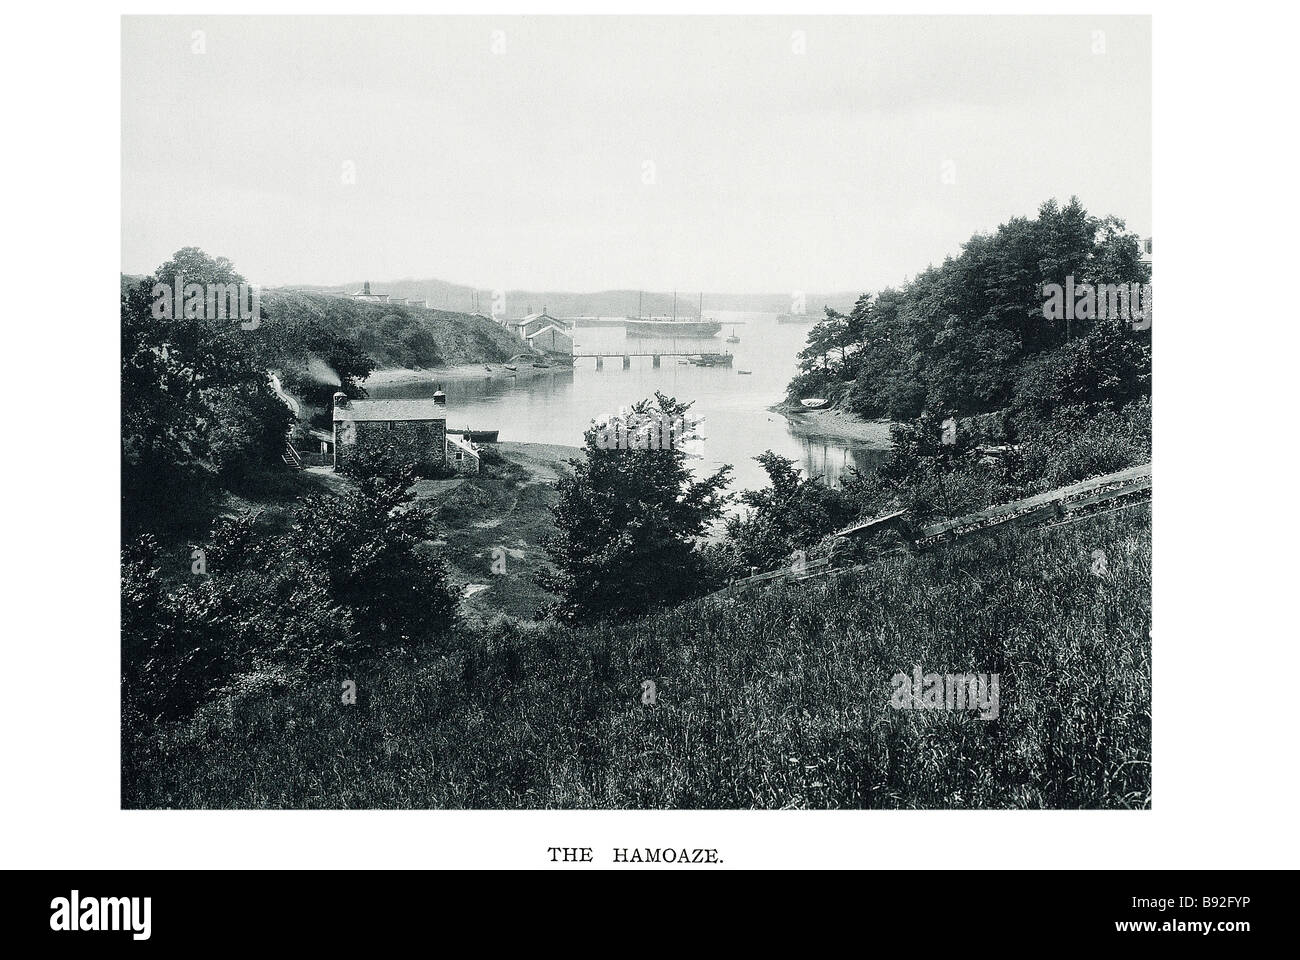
(773, 170)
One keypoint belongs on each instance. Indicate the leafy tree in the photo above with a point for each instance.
(278, 611)
(372, 545)
(351, 364)
(247, 431)
(196, 402)
(1104, 370)
(958, 336)
(971, 369)
(792, 513)
(628, 524)
(262, 612)
(827, 336)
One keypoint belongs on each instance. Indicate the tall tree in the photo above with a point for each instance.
(792, 513)
(196, 401)
(630, 516)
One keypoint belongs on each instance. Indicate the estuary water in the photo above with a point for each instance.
(557, 405)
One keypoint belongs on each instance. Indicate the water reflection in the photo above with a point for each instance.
(557, 405)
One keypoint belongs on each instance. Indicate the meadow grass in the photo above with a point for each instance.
(777, 699)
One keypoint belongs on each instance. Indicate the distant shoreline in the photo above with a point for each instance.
(389, 376)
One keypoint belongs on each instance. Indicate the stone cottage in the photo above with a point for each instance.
(418, 427)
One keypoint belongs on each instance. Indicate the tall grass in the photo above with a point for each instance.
(771, 700)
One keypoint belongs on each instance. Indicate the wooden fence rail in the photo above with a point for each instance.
(1042, 509)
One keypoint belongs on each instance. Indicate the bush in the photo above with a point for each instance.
(1103, 371)
(283, 610)
(792, 513)
(1075, 444)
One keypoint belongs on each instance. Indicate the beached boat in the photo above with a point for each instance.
(477, 436)
(814, 403)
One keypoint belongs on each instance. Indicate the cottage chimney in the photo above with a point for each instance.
(340, 399)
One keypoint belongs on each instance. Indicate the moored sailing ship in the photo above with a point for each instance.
(668, 327)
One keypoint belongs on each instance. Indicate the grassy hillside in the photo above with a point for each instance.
(773, 700)
(298, 324)
(500, 515)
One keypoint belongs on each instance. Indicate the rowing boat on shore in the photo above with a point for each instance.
(478, 436)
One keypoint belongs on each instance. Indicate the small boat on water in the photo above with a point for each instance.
(795, 318)
(744, 373)
(731, 337)
(814, 403)
(487, 368)
(511, 368)
(712, 360)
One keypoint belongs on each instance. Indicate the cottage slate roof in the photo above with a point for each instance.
(534, 317)
(368, 410)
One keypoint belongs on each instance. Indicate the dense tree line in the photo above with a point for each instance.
(962, 337)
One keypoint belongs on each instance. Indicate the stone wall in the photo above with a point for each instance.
(418, 443)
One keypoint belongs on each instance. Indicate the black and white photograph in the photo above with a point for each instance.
(675, 439)
(747, 415)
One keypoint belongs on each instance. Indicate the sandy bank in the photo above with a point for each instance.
(386, 376)
(835, 424)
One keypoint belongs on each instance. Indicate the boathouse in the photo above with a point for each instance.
(525, 327)
(552, 339)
